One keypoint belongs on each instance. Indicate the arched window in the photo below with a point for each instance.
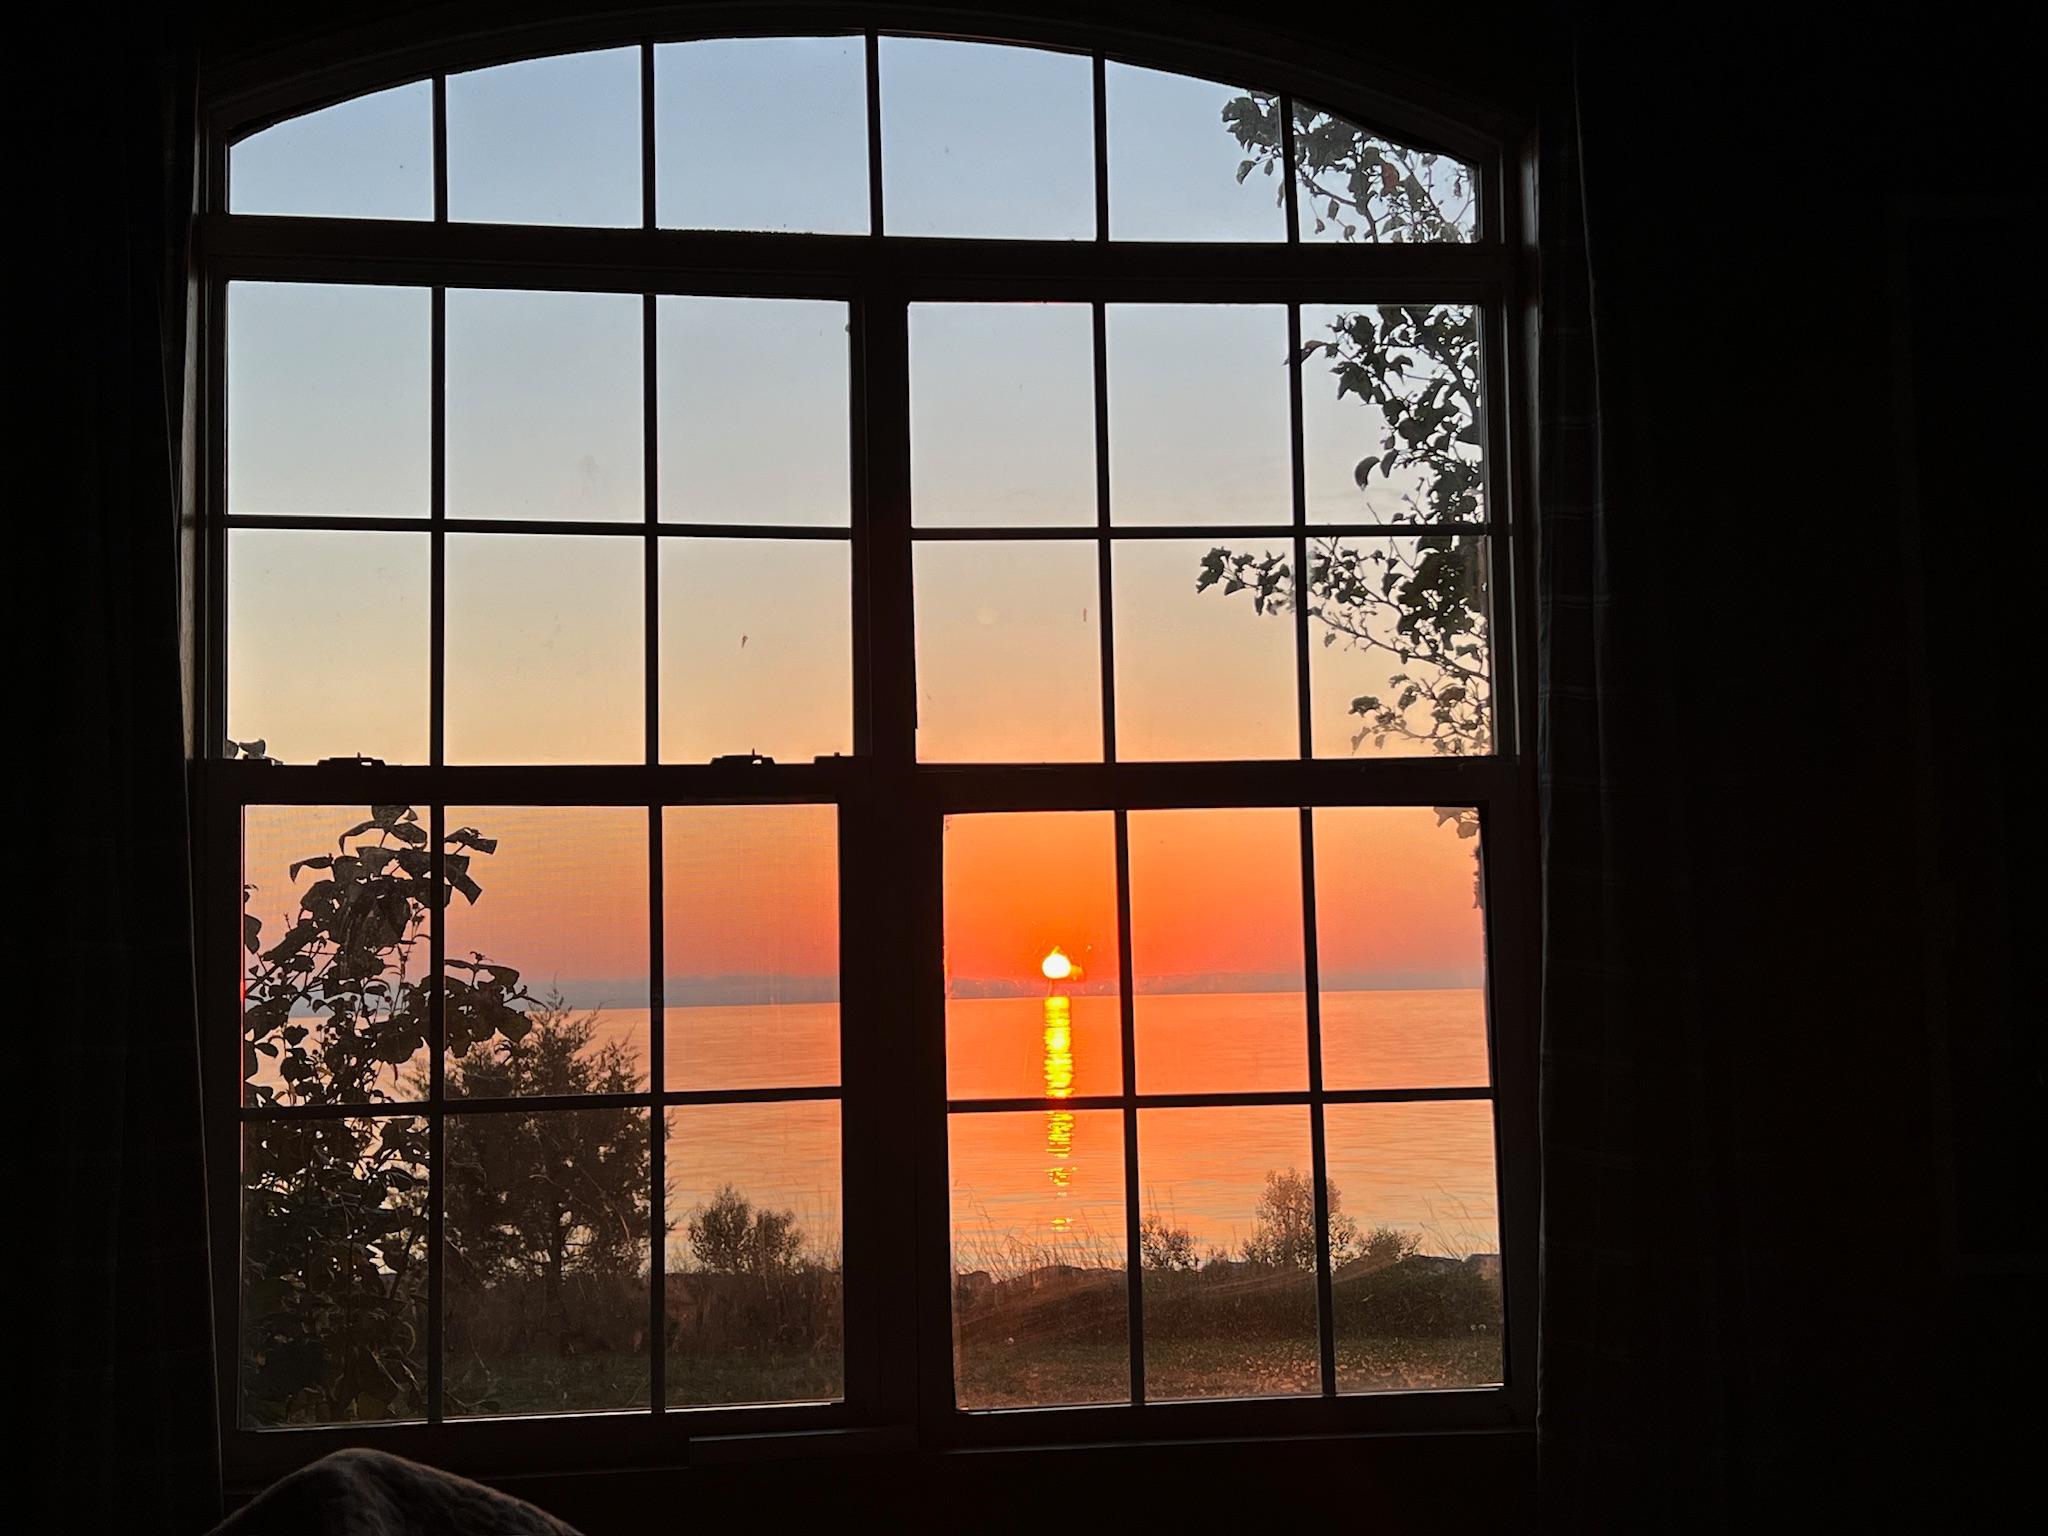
(857, 684)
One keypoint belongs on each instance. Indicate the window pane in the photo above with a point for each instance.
(1390, 425)
(1040, 1312)
(370, 158)
(1031, 956)
(753, 1304)
(1009, 662)
(546, 956)
(334, 911)
(753, 410)
(544, 405)
(1357, 186)
(1002, 415)
(1399, 659)
(756, 649)
(1200, 674)
(1416, 1281)
(334, 1271)
(547, 141)
(1228, 1252)
(762, 133)
(981, 140)
(329, 408)
(1175, 160)
(547, 1225)
(545, 649)
(1400, 947)
(1216, 951)
(1198, 415)
(328, 643)
(750, 908)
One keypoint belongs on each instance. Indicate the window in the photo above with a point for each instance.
(864, 764)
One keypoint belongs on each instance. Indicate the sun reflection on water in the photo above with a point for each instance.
(1059, 1084)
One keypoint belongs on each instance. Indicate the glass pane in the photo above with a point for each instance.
(334, 927)
(547, 141)
(1176, 168)
(1400, 947)
(982, 140)
(547, 1262)
(1201, 674)
(544, 405)
(750, 909)
(1198, 414)
(1009, 661)
(370, 158)
(753, 1304)
(752, 411)
(329, 405)
(546, 950)
(1354, 185)
(1031, 956)
(1399, 659)
(1002, 415)
(1041, 1316)
(756, 649)
(334, 1271)
(1227, 1251)
(1216, 951)
(1415, 1280)
(545, 649)
(1390, 421)
(762, 133)
(328, 643)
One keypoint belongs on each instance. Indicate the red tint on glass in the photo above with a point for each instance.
(1216, 951)
(1227, 1252)
(1416, 1281)
(750, 906)
(753, 1291)
(1400, 947)
(1028, 893)
(1041, 1314)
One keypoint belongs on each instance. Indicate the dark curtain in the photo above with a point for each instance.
(121, 1394)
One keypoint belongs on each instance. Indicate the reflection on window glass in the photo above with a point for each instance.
(1008, 656)
(1176, 168)
(766, 133)
(1415, 1292)
(1390, 419)
(753, 1292)
(983, 140)
(545, 649)
(756, 649)
(1041, 1315)
(1353, 185)
(328, 399)
(1400, 947)
(546, 959)
(1399, 663)
(1031, 956)
(752, 403)
(544, 405)
(547, 1262)
(1216, 951)
(334, 1272)
(370, 158)
(1227, 1252)
(1198, 414)
(547, 141)
(1201, 674)
(750, 911)
(1002, 415)
(328, 643)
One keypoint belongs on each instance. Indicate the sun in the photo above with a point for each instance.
(1056, 966)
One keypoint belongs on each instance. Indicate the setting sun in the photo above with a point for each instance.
(1057, 967)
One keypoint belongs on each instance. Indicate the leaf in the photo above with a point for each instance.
(1244, 169)
(1364, 469)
